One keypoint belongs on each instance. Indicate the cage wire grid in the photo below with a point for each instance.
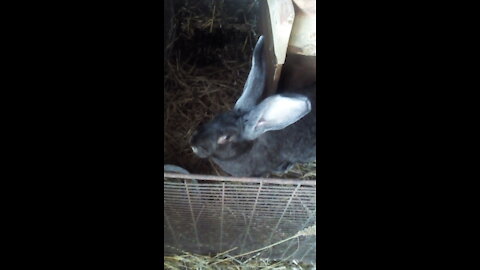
(207, 215)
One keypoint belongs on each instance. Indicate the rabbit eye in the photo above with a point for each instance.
(223, 139)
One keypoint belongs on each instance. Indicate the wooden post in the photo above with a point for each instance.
(276, 21)
(289, 27)
(300, 66)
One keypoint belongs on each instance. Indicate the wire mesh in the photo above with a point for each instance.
(221, 213)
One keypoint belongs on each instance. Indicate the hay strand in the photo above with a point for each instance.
(193, 261)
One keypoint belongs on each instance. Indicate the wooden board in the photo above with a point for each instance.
(276, 23)
(303, 39)
(300, 68)
(289, 27)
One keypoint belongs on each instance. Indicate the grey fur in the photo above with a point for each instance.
(255, 81)
(258, 142)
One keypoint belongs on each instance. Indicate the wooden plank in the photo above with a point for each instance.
(303, 39)
(277, 17)
(307, 6)
(282, 16)
(300, 67)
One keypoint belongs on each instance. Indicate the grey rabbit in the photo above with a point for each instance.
(259, 139)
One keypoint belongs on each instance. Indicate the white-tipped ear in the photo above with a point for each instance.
(255, 83)
(274, 113)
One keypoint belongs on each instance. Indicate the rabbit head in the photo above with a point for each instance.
(234, 133)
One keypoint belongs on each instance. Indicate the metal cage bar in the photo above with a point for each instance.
(215, 214)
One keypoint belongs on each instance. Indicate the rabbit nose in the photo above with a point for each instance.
(200, 151)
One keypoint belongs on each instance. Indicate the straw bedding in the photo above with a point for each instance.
(208, 63)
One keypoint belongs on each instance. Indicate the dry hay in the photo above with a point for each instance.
(207, 67)
(248, 260)
(193, 261)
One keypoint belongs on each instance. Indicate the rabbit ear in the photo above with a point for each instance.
(255, 84)
(274, 113)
